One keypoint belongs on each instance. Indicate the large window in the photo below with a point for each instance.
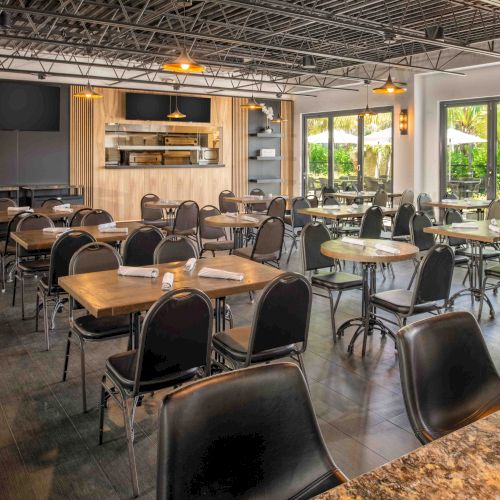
(344, 150)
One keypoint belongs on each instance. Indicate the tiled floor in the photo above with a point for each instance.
(48, 448)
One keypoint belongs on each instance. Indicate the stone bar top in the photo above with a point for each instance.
(462, 465)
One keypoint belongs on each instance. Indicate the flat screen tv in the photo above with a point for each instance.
(29, 106)
(157, 106)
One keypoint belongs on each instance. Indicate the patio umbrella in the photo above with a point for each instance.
(339, 137)
(455, 137)
(379, 138)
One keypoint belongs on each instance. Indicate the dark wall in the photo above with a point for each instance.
(37, 157)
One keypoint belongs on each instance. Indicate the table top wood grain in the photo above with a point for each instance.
(253, 200)
(337, 249)
(343, 212)
(163, 204)
(459, 204)
(481, 234)
(224, 220)
(6, 216)
(107, 294)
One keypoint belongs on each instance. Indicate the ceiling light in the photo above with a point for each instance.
(88, 93)
(184, 64)
(389, 88)
(308, 62)
(279, 119)
(176, 115)
(367, 111)
(251, 104)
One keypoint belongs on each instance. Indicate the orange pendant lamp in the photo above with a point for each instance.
(389, 87)
(184, 64)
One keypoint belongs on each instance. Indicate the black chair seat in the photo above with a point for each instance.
(488, 252)
(34, 266)
(99, 328)
(219, 245)
(246, 253)
(400, 302)
(337, 280)
(234, 343)
(182, 232)
(122, 368)
(493, 271)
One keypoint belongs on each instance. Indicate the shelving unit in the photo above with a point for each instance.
(264, 181)
(266, 135)
(266, 158)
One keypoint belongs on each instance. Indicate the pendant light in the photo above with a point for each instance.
(279, 119)
(367, 111)
(184, 64)
(251, 104)
(88, 92)
(389, 87)
(176, 115)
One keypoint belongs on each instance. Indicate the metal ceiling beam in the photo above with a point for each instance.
(214, 38)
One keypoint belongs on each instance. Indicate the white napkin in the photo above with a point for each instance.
(140, 272)
(332, 207)
(493, 222)
(448, 200)
(189, 265)
(231, 214)
(106, 225)
(15, 210)
(387, 249)
(494, 228)
(167, 282)
(61, 208)
(464, 225)
(353, 241)
(208, 272)
(57, 230)
(123, 230)
(354, 205)
(249, 219)
(351, 210)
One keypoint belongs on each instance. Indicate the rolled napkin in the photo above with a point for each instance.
(61, 208)
(353, 241)
(56, 230)
(493, 222)
(249, 219)
(189, 265)
(465, 225)
(231, 214)
(494, 228)
(354, 205)
(208, 272)
(167, 281)
(123, 230)
(332, 207)
(106, 225)
(387, 249)
(15, 210)
(140, 272)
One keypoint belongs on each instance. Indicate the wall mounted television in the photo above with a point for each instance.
(29, 106)
(156, 107)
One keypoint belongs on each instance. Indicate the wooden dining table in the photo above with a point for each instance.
(237, 222)
(6, 216)
(464, 464)
(106, 293)
(363, 195)
(478, 205)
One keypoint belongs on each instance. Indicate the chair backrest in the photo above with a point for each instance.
(422, 199)
(450, 216)
(418, 222)
(494, 210)
(227, 206)
(147, 213)
(450, 196)
(312, 236)
(186, 216)
(407, 197)
(31, 221)
(313, 200)
(445, 368)
(330, 200)
(327, 191)
(434, 275)
(12, 226)
(402, 220)
(62, 252)
(140, 245)
(300, 220)
(76, 219)
(269, 238)
(248, 433)
(258, 207)
(174, 248)
(51, 202)
(176, 336)
(6, 203)
(94, 257)
(96, 217)
(371, 223)
(210, 232)
(380, 198)
(277, 207)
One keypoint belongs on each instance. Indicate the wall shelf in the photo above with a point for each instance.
(266, 135)
(264, 181)
(265, 158)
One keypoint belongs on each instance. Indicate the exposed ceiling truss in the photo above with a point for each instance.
(247, 45)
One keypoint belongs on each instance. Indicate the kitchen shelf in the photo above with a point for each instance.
(265, 158)
(158, 148)
(264, 181)
(264, 134)
(183, 165)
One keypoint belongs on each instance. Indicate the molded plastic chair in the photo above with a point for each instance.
(258, 425)
(96, 217)
(140, 246)
(447, 375)
(215, 237)
(173, 249)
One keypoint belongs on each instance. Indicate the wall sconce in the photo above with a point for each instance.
(403, 122)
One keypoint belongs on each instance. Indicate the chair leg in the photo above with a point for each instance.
(46, 325)
(14, 290)
(66, 357)
(22, 297)
(102, 406)
(413, 275)
(37, 308)
(129, 423)
(300, 359)
(83, 376)
(2, 260)
(333, 309)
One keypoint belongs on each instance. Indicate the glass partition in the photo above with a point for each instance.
(317, 146)
(345, 151)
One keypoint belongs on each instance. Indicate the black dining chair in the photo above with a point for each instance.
(407, 197)
(401, 227)
(175, 347)
(493, 210)
(90, 258)
(277, 330)
(186, 221)
(380, 198)
(5, 203)
(140, 246)
(423, 241)
(296, 221)
(152, 216)
(76, 218)
(277, 207)
(327, 191)
(249, 433)
(330, 200)
(48, 289)
(51, 202)
(227, 206)
(447, 375)
(313, 200)
(96, 217)
(422, 200)
(372, 223)
(257, 207)
(173, 249)
(332, 281)
(212, 239)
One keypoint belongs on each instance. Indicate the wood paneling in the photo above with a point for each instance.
(240, 147)
(287, 148)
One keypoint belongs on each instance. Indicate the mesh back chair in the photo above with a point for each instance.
(139, 247)
(152, 216)
(422, 200)
(313, 200)
(258, 207)
(6, 203)
(173, 249)
(371, 223)
(401, 227)
(277, 330)
(212, 239)
(296, 221)
(51, 202)
(432, 288)
(268, 243)
(313, 236)
(227, 206)
(447, 375)
(407, 197)
(277, 207)
(48, 288)
(29, 263)
(380, 198)
(494, 210)
(186, 221)
(92, 257)
(76, 219)
(236, 420)
(96, 217)
(175, 347)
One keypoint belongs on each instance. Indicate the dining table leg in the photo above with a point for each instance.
(238, 237)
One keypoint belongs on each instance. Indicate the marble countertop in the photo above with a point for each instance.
(462, 465)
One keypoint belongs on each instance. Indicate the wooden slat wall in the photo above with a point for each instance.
(287, 148)
(240, 147)
(81, 144)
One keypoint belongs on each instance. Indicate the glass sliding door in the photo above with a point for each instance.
(345, 141)
(317, 158)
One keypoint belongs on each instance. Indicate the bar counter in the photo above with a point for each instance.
(185, 165)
